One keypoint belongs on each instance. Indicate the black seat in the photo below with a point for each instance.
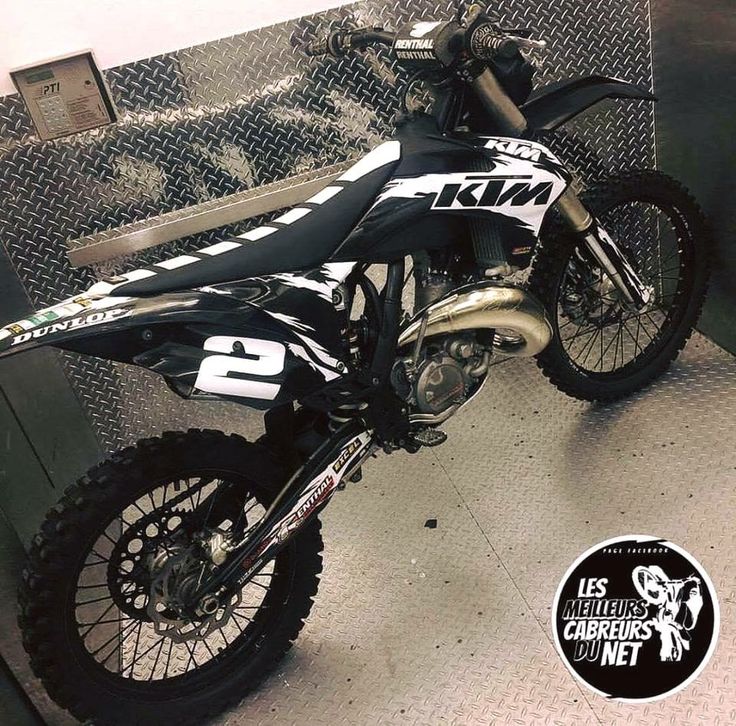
(302, 239)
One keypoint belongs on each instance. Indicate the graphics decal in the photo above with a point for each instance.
(322, 486)
(636, 618)
(240, 370)
(416, 41)
(524, 181)
(314, 494)
(322, 281)
(423, 27)
(51, 321)
(312, 352)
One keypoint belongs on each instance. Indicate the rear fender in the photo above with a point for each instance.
(262, 341)
(76, 323)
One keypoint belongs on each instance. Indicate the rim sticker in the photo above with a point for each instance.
(635, 618)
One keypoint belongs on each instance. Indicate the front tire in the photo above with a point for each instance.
(93, 551)
(600, 350)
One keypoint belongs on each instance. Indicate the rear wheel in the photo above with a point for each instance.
(103, 606)
(601, 349)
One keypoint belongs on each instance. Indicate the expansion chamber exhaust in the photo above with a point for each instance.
(520, 322)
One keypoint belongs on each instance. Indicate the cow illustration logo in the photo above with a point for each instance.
(636, 618)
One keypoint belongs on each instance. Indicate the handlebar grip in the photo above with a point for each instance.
(485, 44)
(317, 47)
(340, 42)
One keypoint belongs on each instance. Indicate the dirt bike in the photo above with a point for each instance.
(172, 577)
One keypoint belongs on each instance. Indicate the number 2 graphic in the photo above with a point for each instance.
(220, 374)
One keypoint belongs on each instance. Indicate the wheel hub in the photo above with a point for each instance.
(592, 298)
(156, 569)
(170, 602)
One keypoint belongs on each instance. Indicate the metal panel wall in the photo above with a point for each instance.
(224, 116)
(694, 70)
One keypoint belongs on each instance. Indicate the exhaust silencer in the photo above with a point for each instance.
(520, 321)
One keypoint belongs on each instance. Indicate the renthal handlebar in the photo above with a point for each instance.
(482, 41)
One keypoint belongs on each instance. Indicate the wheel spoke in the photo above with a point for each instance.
(161, 641)
(192, 659)
(120, 635)
(97, 622)
(92, 602)
(168, 658)
(143, 654)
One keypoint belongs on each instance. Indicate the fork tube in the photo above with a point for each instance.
(572, 209)
(503, 110)
(301, 498)
(605, 251)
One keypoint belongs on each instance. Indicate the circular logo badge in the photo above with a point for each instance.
(635, 618)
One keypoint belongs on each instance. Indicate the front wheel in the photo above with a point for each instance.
(104, 602)
(601, 349)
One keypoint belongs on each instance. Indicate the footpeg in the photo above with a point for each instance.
(428, 437)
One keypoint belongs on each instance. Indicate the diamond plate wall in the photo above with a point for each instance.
(221, 117)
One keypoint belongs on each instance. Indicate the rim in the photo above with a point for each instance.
(599, 335)
(127, 610)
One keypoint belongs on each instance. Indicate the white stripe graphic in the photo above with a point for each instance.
(220, 247)
(176, 262)
(257, 233)
(293, 215)
(325, 195)
(380, 156)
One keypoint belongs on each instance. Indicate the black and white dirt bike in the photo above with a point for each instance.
(171, 578)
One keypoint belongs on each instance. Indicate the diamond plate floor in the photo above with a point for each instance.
(452, 625)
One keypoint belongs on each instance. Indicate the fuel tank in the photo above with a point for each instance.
(449, 188)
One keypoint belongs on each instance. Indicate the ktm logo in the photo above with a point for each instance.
(515, 148)
(490, 192)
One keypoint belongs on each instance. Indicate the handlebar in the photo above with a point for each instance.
(466, 48)
(483, 41)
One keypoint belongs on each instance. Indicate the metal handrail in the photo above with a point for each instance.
(140, 235)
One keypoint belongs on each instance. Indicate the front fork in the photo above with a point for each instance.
(636, 293)
(302, 497)
(511, 122)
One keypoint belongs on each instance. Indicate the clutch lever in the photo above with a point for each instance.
(528, 43)
(523, 38)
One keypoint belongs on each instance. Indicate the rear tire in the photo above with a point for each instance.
(619, 203)
(49, 617)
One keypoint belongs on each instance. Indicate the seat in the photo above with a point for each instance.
(304, 238)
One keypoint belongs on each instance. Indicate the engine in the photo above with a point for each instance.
(447, 371)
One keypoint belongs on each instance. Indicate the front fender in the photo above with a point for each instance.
(554, 105)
